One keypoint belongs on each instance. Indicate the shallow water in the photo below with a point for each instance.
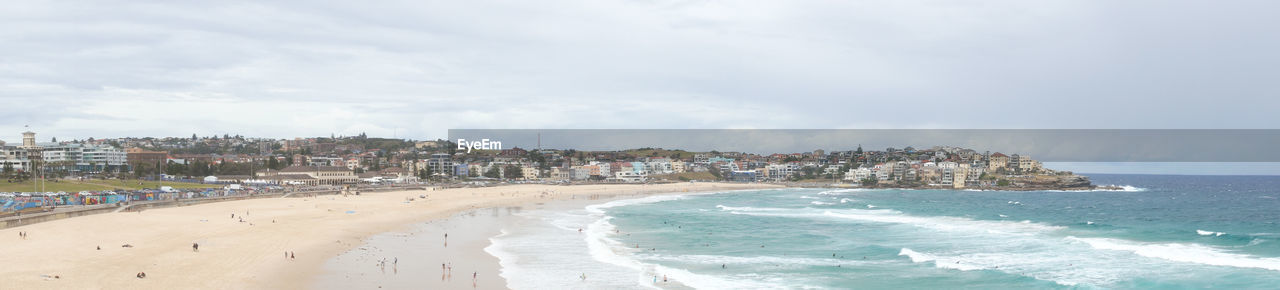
(1161, 232)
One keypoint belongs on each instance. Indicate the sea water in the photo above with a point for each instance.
(1156, 232)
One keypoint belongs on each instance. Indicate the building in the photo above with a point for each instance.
(13, 158)
(584, 172)
(461, 169)
(529, 173)
(997, 161)
(560, 174)
(630, 177)
(678, 166)
(139, 156)
(329, 175)
(958, 175)
(858, 174)
(85, 157)
(1023, 164)
(742, 176)
(441, 164)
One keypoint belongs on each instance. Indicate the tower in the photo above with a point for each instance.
(28, 139)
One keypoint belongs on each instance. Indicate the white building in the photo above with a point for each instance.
(88, 157)
(630, 177)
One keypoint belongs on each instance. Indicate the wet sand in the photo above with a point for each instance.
(413, 259)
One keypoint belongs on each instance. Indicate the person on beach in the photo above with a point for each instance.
(584, 276)
(195, 247)
(291, 256)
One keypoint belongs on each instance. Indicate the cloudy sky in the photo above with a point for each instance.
(413, 69)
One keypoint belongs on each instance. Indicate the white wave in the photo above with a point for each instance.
(507, 260)
(807, 197)
(917, 257)
(846, 200)
(1088, 222)
(839, 191)
(613, 252)
(735, 260)
(605, 249)
(599, 208)
(1004, 216)
(747, 208)
(1209, 233)
(944, 223)
(871, 206)
(1123, 188)
(1187, 253)
(820, 203)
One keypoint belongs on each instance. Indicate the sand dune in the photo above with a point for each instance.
(248, 254)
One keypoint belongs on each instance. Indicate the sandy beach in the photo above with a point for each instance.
(247, 251)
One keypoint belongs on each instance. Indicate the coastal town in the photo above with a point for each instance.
(353, 160)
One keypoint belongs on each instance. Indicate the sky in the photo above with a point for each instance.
(414, 69)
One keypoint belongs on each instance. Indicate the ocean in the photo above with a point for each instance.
(1159, 232)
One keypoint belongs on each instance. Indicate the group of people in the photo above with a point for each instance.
(22, 235)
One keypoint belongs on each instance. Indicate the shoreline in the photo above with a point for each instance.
(235, 254)
(471, 241)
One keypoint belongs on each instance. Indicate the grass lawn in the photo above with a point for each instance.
(93, 185)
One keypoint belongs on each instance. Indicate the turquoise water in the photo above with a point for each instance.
(1161, 232)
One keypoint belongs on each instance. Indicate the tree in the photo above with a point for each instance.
(512, 172)
(868, 181)
(54, 140)
(193, 137)
(493, 172)
(174, 168)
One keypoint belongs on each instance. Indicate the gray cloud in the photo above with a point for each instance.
(417, 68)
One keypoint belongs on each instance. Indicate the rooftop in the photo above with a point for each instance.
(313, 168)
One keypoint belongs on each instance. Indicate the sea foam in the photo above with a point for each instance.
(1209, 233)
(1187, 253)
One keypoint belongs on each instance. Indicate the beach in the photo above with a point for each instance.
(246, 244)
